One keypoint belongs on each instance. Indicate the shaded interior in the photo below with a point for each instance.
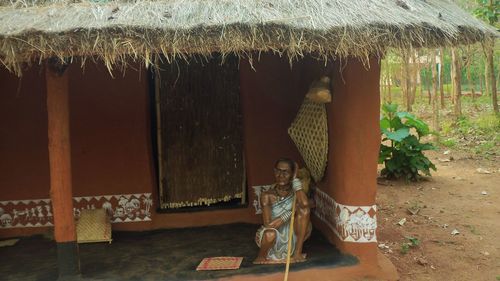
(171, 254)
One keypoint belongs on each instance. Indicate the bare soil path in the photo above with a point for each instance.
(457, 197)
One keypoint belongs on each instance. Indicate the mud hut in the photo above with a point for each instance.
(103, 103)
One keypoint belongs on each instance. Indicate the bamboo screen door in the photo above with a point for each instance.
(200, 143)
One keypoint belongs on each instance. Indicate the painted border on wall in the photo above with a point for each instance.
(356, 224)
(121, 208)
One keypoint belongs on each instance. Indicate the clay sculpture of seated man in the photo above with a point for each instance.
(276, 204)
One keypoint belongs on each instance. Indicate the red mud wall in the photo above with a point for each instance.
(23, 136)
(354, 140)
(24, 166)
(111, 136)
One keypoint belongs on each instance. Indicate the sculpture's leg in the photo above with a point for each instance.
(301, 223)
(268, 239)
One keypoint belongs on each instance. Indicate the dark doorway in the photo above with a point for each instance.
(200, 143)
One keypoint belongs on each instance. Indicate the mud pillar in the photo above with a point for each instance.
(354, 140)
(60, 169)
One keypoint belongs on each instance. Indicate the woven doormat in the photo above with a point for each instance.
(220, 263)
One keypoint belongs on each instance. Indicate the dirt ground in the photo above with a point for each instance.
(457, 198)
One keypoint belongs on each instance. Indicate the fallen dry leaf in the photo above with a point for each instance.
(421, 261)
(482, 171)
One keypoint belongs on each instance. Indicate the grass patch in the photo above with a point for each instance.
(450, 143)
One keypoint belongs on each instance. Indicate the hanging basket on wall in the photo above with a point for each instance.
(309, 130)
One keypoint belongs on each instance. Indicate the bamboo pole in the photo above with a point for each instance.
(290, 235)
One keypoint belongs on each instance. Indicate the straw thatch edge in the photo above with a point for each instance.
(119, 46)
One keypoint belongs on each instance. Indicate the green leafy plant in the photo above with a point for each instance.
(412, 243)
(488, 10)
(403, 157)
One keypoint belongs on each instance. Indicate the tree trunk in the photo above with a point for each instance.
(457, 87)
(402, 81)
(469, 82)
(421, 84)
(441, 76)
(498, 76)
(406, 78)
(435, 106)
(452, 78)
(429, 85)
(389, 94)
(486, 77)
(448, 89)
(468, 65)
(382, 88)
(481, 84)
(384, 81)
(413, 77)
(491, 71)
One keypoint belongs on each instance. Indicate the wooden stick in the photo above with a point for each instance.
(290, 234)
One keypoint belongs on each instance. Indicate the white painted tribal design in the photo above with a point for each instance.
(350, 223)
(38, 212)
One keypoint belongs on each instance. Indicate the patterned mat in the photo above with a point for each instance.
(220, 263)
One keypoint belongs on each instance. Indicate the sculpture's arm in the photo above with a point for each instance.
(302, 200)
(265, 202)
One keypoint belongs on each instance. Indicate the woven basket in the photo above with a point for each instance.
(309, 132)
(93, 226)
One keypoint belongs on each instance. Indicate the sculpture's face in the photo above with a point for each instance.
(283, 173)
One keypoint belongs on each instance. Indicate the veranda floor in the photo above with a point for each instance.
(160, 255)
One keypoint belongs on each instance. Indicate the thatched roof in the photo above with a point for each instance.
(115, 31)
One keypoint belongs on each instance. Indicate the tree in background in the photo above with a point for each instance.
(456, 78)
(488, 10)
(441, 77)
(406, 79)
(468, 64)
(435, 106)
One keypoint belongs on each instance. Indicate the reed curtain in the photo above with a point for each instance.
(201, 132)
